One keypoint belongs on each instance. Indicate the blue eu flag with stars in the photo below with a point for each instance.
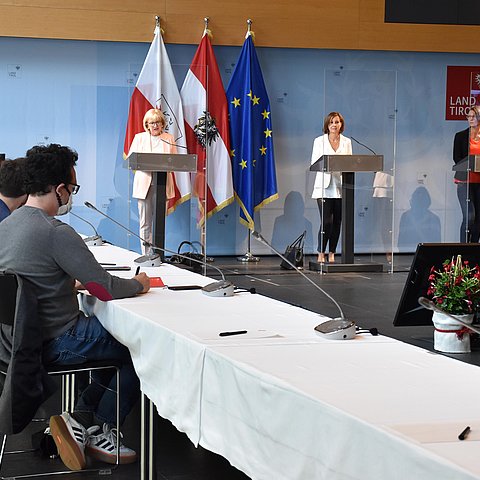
(253, 163)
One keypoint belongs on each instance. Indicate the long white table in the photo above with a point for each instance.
(281, 402)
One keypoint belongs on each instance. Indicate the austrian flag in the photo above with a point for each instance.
(206, 127)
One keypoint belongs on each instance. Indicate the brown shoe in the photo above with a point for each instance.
(70, 438)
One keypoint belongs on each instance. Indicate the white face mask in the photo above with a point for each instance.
(64, 209)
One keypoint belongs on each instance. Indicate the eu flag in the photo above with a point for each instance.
(253, 164)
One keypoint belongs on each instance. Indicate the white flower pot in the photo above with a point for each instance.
(451, 336)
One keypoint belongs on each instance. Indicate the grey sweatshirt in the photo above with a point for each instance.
(52, 256)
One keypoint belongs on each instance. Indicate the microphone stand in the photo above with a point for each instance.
(220, 288)
(93, 241)
(151, 260)
(363, 145)
(336, 329)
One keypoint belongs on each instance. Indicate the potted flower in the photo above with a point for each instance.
(455, 289)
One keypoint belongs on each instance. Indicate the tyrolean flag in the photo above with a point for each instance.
(156, 88)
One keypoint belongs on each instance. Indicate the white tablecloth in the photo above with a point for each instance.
(283, 403)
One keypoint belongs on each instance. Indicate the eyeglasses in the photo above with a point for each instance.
(153, 124)
(471, 117)
(76, 188)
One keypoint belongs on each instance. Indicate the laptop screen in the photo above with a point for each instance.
(409, 312)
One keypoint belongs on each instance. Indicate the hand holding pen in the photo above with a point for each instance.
(144, 279)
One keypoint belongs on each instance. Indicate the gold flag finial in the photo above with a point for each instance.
(249, 29)
(207, 31)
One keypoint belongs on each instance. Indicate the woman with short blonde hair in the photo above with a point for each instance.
(155, 140)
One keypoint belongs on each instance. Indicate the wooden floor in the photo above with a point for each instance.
(370, 299)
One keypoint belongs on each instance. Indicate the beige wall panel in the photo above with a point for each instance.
(282, 35)
(112, 5)
(72, 24)
(350, 24)
(423, 38)
(275, 23)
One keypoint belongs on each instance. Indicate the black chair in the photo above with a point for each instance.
(21, 356)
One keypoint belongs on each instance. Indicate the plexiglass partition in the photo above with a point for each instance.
(367, 102)
(460, 188)
(112, 180)
(185, 225)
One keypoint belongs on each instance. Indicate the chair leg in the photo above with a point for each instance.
(4, 442)
(68, 397)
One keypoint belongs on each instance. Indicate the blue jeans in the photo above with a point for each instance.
(87, 341)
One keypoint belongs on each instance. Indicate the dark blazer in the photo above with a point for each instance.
(26, 384)
(460, 151)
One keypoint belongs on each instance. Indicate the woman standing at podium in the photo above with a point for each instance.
(152, 140)
(328, 186)
(467, 142)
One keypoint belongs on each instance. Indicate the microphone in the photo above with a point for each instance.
(151, 260)
(93, 241)
(362, 144)
(336, 329)
(174, 144)
(429, 305)
(220, 288)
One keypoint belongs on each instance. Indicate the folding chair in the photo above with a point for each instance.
(17, 307)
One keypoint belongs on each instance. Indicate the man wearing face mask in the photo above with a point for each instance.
(52, 256)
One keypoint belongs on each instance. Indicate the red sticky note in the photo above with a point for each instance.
(156, 282)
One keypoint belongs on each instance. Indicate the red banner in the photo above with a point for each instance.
(463, 91)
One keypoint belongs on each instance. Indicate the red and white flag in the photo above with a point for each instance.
(206, 128)
(156, 88)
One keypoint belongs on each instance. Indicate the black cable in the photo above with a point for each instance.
(373, 331)
(246, 290)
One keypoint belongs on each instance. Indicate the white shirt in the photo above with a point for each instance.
(329, 185)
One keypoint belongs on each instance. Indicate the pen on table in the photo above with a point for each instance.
(137, 271)
(104, 263)
(228, 334)
(464, 433)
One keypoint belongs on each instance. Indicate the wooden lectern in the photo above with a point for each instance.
(348, 165)
(159, 164)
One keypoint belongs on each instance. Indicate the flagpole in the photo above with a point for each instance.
(203, 228)
(248, 257)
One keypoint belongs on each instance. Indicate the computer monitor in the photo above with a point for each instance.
(409, 312)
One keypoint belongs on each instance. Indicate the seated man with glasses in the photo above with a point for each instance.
(52, 257)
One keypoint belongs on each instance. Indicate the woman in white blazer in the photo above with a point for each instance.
(328, 186)
(155, 140)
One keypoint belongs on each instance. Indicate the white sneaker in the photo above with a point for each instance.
(70, 438)
(103, 446)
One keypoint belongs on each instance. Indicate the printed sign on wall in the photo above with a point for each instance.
(463, 90)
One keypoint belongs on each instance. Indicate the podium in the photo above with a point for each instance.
(347, 165)
(469, 163)
(159, 164)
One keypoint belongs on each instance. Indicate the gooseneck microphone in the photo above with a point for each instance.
(93, 241)
(150, 260)
(220, 288)
(338, 328)
(429, 305)
(174, 144)
(362, 144)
